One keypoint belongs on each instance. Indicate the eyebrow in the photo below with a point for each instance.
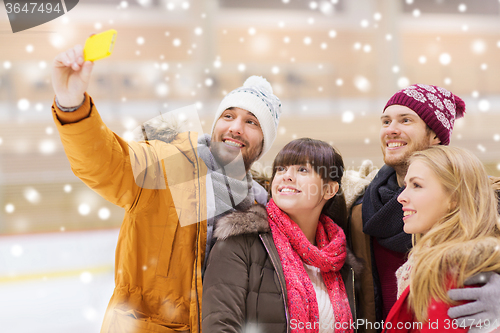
(412, 178)
(399, 116)
(254, 116)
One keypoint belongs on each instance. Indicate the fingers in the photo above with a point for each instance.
(465, 311)
(72, 58)
(465, 294)
(62, 60)
(87, 70)
(480, 278)
(78, 49)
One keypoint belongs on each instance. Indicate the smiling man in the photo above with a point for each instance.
(414, 118)
(403, 132)
(227, 130)
(184, 182)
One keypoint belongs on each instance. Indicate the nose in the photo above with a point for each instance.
(289, 175)
(392, 129)
(236, 126)
(402, 197)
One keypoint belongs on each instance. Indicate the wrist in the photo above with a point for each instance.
(64, 108)
(71, 102)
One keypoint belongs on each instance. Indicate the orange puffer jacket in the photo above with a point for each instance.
(161, 247)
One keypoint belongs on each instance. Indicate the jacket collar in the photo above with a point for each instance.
(253, 220)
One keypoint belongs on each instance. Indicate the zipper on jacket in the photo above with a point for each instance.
(197, 239)
(273, 261)
(355, 319)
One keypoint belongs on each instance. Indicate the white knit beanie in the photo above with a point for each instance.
(255, 96)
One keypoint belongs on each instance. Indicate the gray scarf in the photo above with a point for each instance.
(230, 194)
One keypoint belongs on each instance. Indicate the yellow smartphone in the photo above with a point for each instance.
(100, 45)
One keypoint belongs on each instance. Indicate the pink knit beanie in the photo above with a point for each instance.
(437, 107)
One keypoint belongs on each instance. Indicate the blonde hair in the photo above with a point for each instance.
(466, 240)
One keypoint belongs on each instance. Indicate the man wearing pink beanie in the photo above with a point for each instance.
(414, 118)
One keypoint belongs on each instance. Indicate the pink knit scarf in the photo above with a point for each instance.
(329, 256)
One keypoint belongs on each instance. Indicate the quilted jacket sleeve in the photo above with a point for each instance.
(225, 286)
(102, 159)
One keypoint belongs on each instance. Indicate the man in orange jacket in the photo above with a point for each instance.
(173, 186)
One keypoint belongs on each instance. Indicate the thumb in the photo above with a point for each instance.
(87, 70)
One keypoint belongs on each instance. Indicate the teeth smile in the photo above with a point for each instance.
(288, 190)
(232, 143)
(395, 144)
(408, 212)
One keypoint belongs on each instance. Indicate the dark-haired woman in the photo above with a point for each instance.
(285, 267)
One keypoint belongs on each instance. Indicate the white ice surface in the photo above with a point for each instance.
(58, 282)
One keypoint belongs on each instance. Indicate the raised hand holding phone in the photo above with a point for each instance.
(71, 72)
(71, 76)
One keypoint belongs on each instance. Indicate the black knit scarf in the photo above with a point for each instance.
(383, 214)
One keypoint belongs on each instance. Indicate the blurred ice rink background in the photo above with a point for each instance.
(56, 282)
(333, 63)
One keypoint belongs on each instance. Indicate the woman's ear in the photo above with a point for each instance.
(331, 189)
(452, 203)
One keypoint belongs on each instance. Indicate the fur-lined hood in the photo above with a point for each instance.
(254, 220)
(165, 132)
(354, 183)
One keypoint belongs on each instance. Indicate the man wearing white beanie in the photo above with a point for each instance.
(255, 96)
(173, 202)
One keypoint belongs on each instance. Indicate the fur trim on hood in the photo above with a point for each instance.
(161, 130)
(253, 220)
(354, 183)
(495, 183)
(356, 263)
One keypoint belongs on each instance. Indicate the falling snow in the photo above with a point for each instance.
(32, 195)
(484, 105)
(9, 208)
(86, 277)
(16, 250)
(84, 209)
(23, 104)
(104, 213)
(347, 117)
(445, 59)
(183, 67)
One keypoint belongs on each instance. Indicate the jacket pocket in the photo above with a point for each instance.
(167, 243)
(127, 322)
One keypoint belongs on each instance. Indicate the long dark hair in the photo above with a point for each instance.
(326, 162)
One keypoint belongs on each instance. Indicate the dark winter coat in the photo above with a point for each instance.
(244, 285)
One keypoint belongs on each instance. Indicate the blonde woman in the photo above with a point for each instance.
(451, 209)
